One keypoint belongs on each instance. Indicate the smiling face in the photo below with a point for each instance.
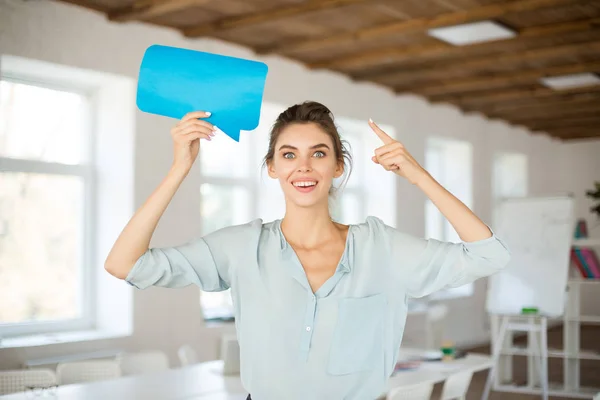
(305, 163)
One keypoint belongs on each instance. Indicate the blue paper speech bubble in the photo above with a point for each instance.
(174, 81)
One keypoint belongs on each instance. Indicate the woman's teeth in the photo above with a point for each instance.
(305, 184)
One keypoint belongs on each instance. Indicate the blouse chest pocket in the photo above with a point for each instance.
(358, 337)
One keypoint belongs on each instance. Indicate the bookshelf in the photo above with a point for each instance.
(571, 353)
(572, 321)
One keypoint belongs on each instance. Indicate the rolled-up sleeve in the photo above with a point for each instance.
(180, 266)
(207, 262)
(424, 266)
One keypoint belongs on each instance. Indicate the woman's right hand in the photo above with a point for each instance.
(186, 137)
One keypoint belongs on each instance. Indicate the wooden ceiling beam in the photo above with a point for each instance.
(457, 86)
(510, 95)
(392, 54)
(488, 11)
(569, 134)
(582, 129)
(536, 120)
(424, 73)
(569, 138)
(268, 16)
(147, 10)
(547, 128)
(549, 114)
(526, 105)
(567, 123)
(379, 56)
(556, 112)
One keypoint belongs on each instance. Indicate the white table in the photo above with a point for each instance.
(437, 371)
(205, 382)
(180, 383)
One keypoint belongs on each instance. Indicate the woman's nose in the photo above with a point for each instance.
(304, 166)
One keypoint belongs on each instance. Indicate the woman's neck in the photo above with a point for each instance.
(308, 227)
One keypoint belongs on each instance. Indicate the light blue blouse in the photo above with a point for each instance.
(340, 342)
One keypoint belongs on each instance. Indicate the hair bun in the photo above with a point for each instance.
(309, 111)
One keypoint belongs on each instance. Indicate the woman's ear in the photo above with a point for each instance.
(271, 169)
(339, 170)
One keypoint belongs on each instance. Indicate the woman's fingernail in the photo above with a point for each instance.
(208, 113)
(370, 120)
(215, 128)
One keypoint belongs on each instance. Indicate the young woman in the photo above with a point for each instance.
(320, 307)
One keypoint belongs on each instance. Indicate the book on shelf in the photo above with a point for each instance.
(584, 259)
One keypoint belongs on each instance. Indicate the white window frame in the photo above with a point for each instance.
(246, 183)
(87, 291)
(497, 197)
(437, 144)
(349, 132)
(468, 289)
(440, 222)
(497, 157)
(359, 193)
(368, 180)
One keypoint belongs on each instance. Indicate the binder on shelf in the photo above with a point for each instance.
(584, 259)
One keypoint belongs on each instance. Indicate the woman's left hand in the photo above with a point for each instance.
(394, 157)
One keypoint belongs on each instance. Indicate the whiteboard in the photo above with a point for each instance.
(538, 232)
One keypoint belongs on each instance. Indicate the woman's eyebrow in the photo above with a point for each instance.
(316, 146)
(287, 146)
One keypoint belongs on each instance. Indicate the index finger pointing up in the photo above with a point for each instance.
(385, 138)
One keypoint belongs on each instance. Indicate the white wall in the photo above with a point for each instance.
(166, 318)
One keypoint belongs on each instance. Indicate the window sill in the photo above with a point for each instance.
(57, 338)
(219, 322)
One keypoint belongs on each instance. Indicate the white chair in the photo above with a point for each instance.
(436, 320)
(87, 371)
(143, 362)
(187, 355)
(456, 386)
(230, 354)
(420, 391)
(14, 381)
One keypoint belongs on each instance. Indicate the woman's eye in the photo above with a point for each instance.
(319, 154)
(288, 155)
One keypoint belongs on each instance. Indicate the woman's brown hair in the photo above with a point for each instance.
(316, 113)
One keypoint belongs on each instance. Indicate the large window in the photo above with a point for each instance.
(510, 173)
(235, 189)
(450, 163)
(46, 187)
(370, 190)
